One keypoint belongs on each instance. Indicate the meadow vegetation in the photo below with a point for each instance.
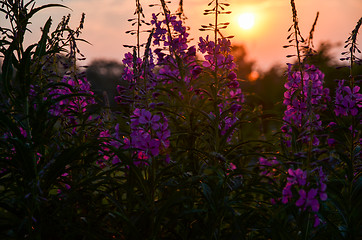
(186, 147)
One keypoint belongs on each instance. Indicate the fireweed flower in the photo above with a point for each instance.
(311, 188)
(317, 221)
(139, 75)
(109, 140)
(322, 186)
(74, 104)
(287, 193)
(219, 55)
(149, 137)
(308, 199)
(69, 108)
(221, 52)
(347, 101)
(149, 134)
(304, 99)
(179, 63)
(148, 119)
(297, 176)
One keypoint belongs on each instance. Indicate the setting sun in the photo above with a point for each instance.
(246, 20)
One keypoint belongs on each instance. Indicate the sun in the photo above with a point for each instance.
(246, 20)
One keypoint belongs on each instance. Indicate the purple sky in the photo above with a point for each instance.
(106, 23)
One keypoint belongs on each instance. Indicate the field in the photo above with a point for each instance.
(188, 148)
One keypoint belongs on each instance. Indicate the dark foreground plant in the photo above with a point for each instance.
(48, 148)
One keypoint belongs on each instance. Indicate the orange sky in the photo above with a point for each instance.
(106, 23)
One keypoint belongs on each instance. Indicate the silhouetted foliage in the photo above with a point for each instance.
(328, 64)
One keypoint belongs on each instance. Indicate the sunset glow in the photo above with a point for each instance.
(246, 21)
(263, 40)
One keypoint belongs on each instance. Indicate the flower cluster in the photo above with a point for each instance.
(138, 73)
(111, 140)
(347, 101)
(179, 65)
(304, 100)
(149, 134)
(69, 107)
(308, 193)
(180, 62)
(218, 55)
(218, 58)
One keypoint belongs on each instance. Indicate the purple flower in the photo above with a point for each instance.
(70, 109)
(347, 101)
(233, 83)
(287, 193)
(109, 140)
(304, 98)
(308, 199)
(149, 134)
(331, 142)
(178, 45)
(148, 119)
(163, 134)
(297, 177)
(322, 194)
(151, 145)
(316, 221)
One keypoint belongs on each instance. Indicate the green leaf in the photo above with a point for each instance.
(41, 47)
(7, 71)
(35, 10)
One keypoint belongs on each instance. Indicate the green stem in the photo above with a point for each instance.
(215, 39)
(350, 172)
(216, 83)
(138, 26)
(307, 230)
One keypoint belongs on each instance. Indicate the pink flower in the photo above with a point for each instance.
(232, 166)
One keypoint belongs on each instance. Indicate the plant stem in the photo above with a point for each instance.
(307, 230)
(215, 39)
(138, 26)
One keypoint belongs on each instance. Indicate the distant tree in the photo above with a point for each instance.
(269, 87)
(263, 89)
(104, 76)
(244, 66)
